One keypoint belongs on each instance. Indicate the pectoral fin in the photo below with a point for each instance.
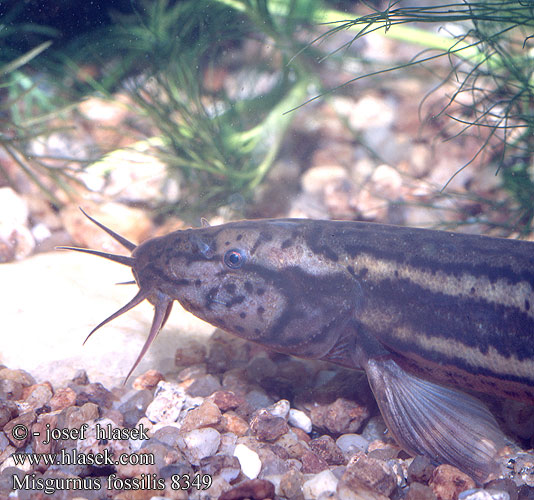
(446, 425)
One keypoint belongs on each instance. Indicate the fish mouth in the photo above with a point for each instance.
(162, 303)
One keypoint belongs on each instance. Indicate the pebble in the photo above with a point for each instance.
(258, 399)
(13, 207)
(20, 376)
(16, 240)
(190, 373)
(8, 411)
(235, 381)
(230, 422)
(167, 404)
(323, 482)
(190, 353)
(227, 400)
(280, 409)
(80, 377)
(95, 393)
(207, 414)
(249, 460)
(228, 442)
(418, 491)
(371, 474)
(168, 434)
(26, 420)
(39, 443)
(526, 493)
(312, 463)
(480, 494)
(448, 482)
(420, 470)
(290, 485)
(241, 433)
(299, 419)
(199, 443)
(62, 398)
(10, 390)
(261, 367)
(350, 444)
(225, 466)
(327, 449)
(523, 467)
(506, 485)
(74, 416)
(16, 243)
(133, 176)
(135, 406)
(375, 428)
(204, 386)
(267, 427)
(93, 444)
(340, 417)
(148, 380)
(255, 489)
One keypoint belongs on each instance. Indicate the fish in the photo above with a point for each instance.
(430, 316)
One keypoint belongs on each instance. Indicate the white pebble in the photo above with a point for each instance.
(279, 409)
(249, 460)
(167, 404)
(299, 419)
(325, 481)
(479, 494)
(352, 443)
(13, 208)
(40, 232)
(199, 443)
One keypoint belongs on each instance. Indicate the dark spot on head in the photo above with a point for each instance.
(261, 310)
(527, 305)
(257, 331)
(364, 271)
(248, 287)
(198, 282)
(350, 269)
(260, 291)
(266, 236)
(396, 273)
(243, 315)
(226, 243)
(230, 288)
(286, 243)
(209, 296)
(238, 299)
(239, 236)
(239, 328)
(472, 291)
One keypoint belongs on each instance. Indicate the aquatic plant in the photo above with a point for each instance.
(491, 58)
(219, 141)
(26, 115)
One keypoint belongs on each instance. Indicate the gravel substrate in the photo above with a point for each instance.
(232, 422)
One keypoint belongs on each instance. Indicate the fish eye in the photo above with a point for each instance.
(234, 258)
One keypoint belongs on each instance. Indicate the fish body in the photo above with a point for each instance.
(425, 313)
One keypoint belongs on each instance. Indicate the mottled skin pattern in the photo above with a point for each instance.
(400, 303)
